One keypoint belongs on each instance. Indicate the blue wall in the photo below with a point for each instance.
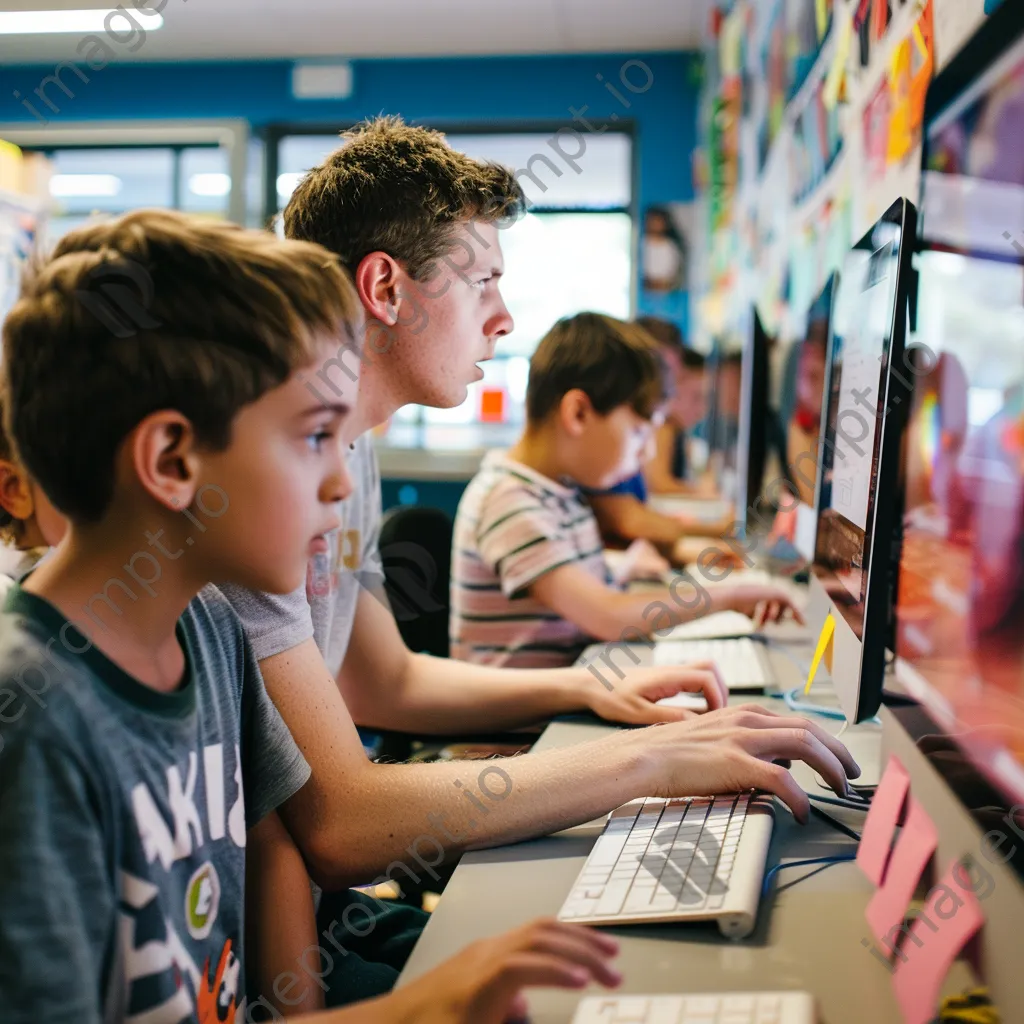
(449, 92)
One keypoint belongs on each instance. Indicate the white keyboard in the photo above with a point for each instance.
(697, 858)
(703, 1008)
(711, 627)
(739, 660)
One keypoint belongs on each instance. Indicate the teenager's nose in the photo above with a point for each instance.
(501, 323)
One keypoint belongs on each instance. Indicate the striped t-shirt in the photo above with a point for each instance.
(513, 526)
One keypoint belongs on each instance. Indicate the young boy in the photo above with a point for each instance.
(141, 761)
(529, 582)
(622, 511)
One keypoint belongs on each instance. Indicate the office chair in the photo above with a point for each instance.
(416, 551)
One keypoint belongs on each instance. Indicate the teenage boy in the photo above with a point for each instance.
(529, 582)
(416, 224)
(622, 511)
(141, 761)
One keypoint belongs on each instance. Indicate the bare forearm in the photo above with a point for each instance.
(631, 519)
(651, 610)
(445, 697)
(403, 821)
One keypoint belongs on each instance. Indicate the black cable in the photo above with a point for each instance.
(834, 823)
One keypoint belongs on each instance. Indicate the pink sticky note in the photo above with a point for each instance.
(884, 816)
(950, 919)
(914, 848)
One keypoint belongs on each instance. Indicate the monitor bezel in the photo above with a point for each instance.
(858, 665)
(807, 535)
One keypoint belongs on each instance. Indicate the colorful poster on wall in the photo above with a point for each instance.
(911, 70)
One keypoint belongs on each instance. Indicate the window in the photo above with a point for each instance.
(572, 252)
(115, 179)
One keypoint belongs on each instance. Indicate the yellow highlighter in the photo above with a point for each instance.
(824, 643)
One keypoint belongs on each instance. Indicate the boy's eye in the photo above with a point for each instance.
(481, 283)
(316, 440)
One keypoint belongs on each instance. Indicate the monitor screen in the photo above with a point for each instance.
(960, 625)
(854, 412)
(800, 411)
(726, 386)
(738, 433)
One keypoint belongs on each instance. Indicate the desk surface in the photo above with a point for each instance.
(809, 929)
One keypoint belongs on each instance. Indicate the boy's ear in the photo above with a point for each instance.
(162, 452)
(574, 411)
(377, 279)
(15, 493)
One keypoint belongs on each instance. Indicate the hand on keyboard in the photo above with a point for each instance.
(763, 603)
(735, 749)
(633, 701)
(483, 984)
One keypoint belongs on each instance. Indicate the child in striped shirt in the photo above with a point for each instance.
(530, 586)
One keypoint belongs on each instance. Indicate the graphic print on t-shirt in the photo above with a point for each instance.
(180, 951)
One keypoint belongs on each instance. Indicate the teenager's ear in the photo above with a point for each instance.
(161, 452)
(574, 411)
(377, 280)
(15, 493)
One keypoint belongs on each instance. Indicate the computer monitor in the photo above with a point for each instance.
(854, 562)
(738, 413)
(725, 376)
(755, 428)
(960, 612)
(801, 412)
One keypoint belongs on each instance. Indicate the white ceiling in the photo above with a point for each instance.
(235, 29)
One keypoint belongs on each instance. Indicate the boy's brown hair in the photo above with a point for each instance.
(157, 310)
(613, 362)
(400, 189)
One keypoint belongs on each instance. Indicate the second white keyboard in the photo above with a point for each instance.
(703, 1008)
(697, 858)
(739, 660)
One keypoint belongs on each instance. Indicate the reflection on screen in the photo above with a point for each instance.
(853, 441)
(961, 596)
(724, 421)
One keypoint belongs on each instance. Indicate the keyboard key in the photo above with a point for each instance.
(738, 1004)
(614, 896)
(606, 851)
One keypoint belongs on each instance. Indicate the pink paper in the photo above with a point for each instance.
(951, 918)
(884, 816)
(914, 848)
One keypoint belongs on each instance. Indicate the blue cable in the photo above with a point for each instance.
(790, 696)
(769, 875)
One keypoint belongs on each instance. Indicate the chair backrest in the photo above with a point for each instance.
(416, 551)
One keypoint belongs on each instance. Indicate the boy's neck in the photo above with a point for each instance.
(537, 448)
(130, 620)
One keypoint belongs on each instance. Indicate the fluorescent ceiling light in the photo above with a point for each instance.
(14, 23)
(212, 184)
(288, 182)
(73, 186)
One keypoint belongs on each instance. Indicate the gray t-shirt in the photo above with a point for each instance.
(325, 606)
(123, 818)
